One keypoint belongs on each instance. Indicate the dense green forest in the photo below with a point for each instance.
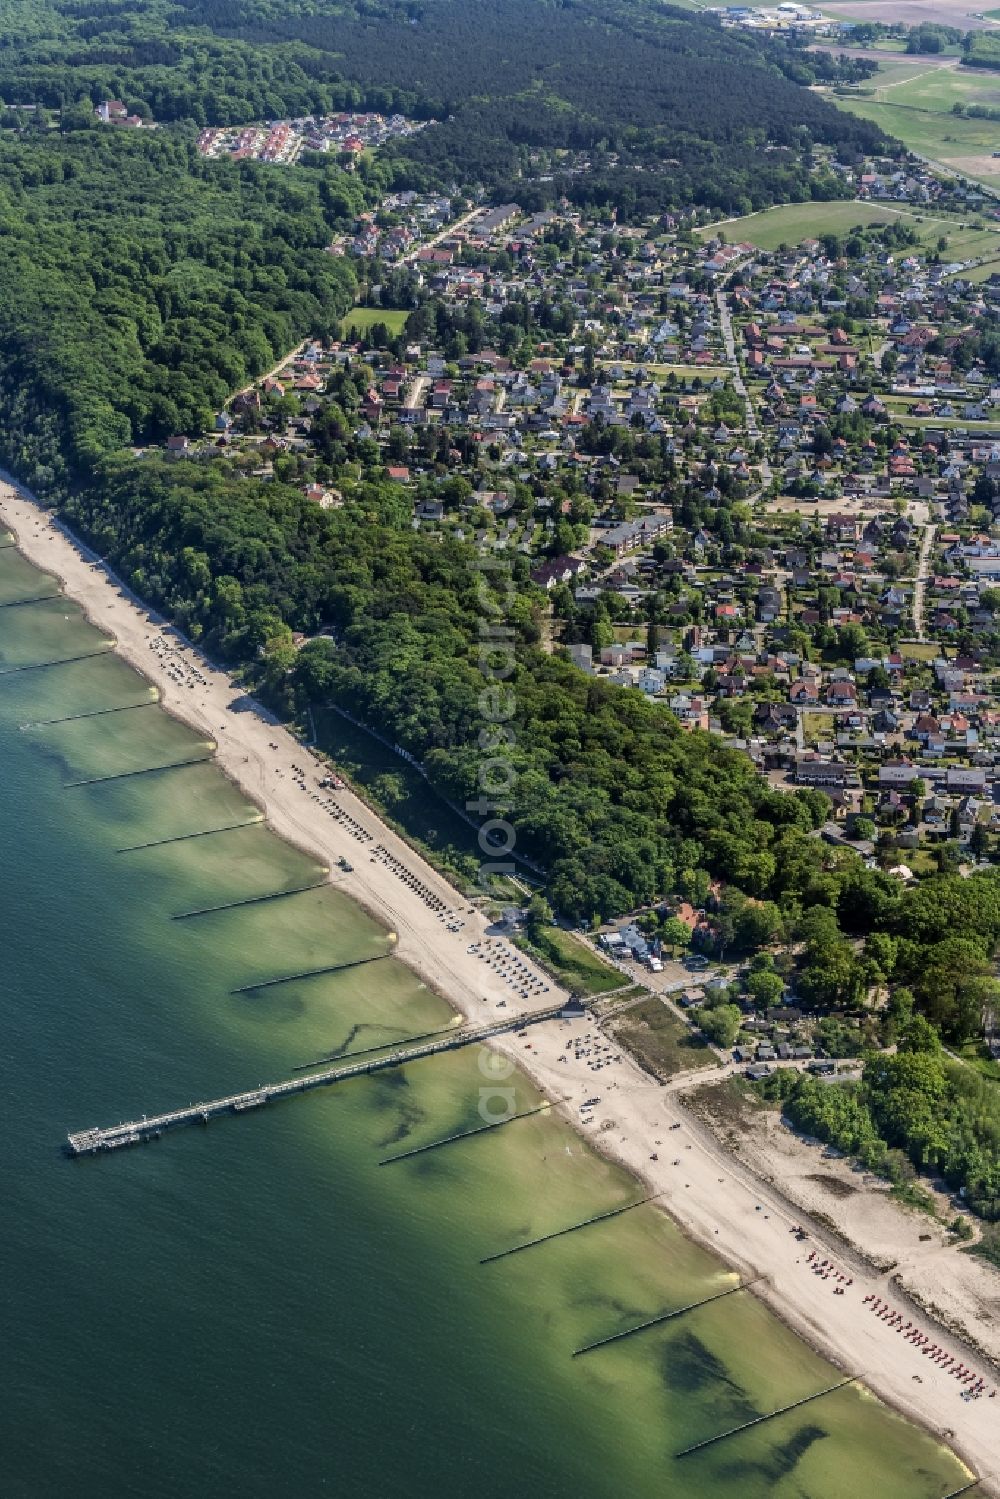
(916, 1110)
(145, 284)
(981, 51)
(612, 798)
(142, 285)
(689, 113)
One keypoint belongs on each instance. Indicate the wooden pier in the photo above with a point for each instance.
(150, 1127)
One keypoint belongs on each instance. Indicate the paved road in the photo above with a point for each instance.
(729, 344)
(445, 233)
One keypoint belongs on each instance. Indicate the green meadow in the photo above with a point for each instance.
(916, 109)
(360, 319)
(790, 223)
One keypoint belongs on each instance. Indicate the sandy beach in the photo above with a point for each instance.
(714, 1195)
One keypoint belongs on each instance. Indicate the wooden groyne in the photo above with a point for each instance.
(40, 598)
(47, 723)
(367, 1051)
(311, 973)
(151, 1126)
(572, 1228)
(770, 1416)
(129, 775)
(250, 900)
(680, 1311)
(136, 848)
(965, 1489)
(466, 1134)
(12, 671)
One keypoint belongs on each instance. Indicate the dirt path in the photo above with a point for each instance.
(884, 88)
(920, 585)
(268, 374)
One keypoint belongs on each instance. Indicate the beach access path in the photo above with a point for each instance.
(712, 1196)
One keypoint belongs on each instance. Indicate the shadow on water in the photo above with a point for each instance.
(689, 1367)
(771, 1470)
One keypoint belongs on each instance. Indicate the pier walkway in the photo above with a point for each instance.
(150, 1127)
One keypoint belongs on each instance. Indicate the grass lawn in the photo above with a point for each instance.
(919, 650)
(818, 726)
(575, 963)
(920, 860)
(975, 1053)
(360, 319)
(939, 88)
(661, 1043)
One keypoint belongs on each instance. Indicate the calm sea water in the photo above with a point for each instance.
(260, 1308)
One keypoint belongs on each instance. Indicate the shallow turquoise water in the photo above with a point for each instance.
(259, 1307)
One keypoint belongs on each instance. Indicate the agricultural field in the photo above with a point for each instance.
(914, 103)
(957, 13)
(895, 70)
(937, 89)
(790, 223)
(360, 319)
(963, 145)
